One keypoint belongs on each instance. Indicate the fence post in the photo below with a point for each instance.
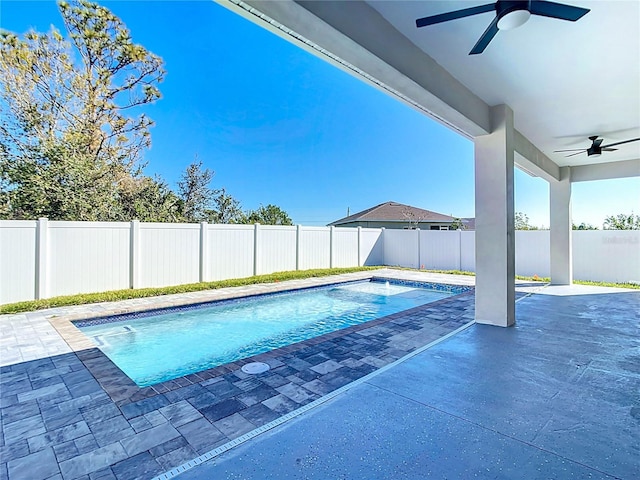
(460, 250)
(332, 230)
(204, 260)
(359, 246)
(256, 248)
(134, 254)
(42, 248)
(419, 259)
(384, 260)
(298, 247)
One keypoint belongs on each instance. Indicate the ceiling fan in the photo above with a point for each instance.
(509, 15)
(596, 148)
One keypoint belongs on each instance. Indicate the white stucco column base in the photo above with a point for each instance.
(495, 236)
(561, 229)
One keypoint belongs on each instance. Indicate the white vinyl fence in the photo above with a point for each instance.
(601, 255)
(41, 259)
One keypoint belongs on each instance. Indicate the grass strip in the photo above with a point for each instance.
(115, 295)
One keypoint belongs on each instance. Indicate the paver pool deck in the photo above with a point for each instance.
(68, 412)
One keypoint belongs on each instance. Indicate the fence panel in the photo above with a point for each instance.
(606, 255)
(345, 247)
(229, 251)
(371, 246)
(17, 260)
(169, 254)
(533, 253)
(315, 249)
(440, 250)
(87, 257)
(468, 251)
(277, 249)
(401, 248)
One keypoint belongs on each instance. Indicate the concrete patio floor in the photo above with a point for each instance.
(555, 397)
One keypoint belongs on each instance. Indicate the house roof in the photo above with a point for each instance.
(394, 212)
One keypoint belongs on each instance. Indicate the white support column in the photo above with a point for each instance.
(495, 236)
(561, 229)
(42, 249)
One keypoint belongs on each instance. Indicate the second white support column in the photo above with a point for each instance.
(561, 229)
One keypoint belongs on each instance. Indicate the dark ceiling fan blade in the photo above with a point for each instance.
(608, 149)
(557, 10)
(574, 154)
(445, 17)
(571, 150)
(597, 142)
(486, 37)
(620, 143)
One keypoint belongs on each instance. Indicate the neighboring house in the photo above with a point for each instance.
(397, 215)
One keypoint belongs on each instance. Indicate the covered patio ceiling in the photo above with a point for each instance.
(565, 81)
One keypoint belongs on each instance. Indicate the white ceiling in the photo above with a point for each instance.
(565, 81)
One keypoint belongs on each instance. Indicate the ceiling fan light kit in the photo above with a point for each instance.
(510, 14)
(513, 19)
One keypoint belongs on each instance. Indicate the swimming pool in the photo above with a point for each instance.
(152, 347)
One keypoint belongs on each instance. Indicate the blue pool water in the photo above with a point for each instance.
(164, 346)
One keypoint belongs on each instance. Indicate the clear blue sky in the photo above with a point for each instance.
(278, 125)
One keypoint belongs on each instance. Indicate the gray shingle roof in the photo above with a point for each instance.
(394, 212)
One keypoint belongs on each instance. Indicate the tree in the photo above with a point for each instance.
(411, 217)
(622, 222)
(226, 209)
(150, 200)
(68, 140)
(584, 226)
(269, 215)
(195, 193)
(457, 224)
(521, 222)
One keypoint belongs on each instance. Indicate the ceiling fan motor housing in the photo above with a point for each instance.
(512, 13)
(594, 151)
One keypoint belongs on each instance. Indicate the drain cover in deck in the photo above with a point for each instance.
(254, 368)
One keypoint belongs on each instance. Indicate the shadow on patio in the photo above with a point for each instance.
(554, 397)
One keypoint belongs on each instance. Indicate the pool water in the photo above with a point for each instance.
(165, 346)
